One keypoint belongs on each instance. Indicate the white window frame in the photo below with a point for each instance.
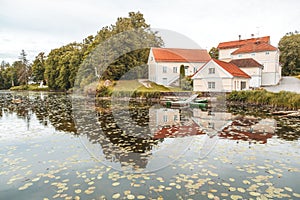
(211, 70)
(211, 85)
(175, 70)
(165, 69)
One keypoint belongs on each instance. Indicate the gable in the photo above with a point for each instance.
(203, 72)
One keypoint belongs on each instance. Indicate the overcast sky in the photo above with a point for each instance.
(42, 25)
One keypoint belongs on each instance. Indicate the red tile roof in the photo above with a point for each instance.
(240, 43)
(232, 69)
(246, 62)
(254, 47)
(180, 55)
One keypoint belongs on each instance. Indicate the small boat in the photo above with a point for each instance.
(184, 103)
(198, 105)
(201, 101)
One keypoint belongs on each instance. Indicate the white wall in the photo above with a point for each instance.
(271, 73)
(224, 82)
(156, 73)
(225, 54)
(255, 73)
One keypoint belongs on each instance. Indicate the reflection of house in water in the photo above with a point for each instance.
(166, 123)
(211, 122)
(250, 129)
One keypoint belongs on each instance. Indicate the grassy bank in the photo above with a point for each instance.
(34, 87)
(133, 88)
(283, 99)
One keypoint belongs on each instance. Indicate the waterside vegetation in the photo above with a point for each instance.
(283, 99)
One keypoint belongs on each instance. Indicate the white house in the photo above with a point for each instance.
(220, 76)
(164, 63)
(258, 49)
(252, 68)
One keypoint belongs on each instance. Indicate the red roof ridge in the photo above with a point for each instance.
(239, 43)
(180, 55)
(254, 47)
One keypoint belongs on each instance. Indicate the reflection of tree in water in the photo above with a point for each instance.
(56, 109)
(126, 143)
(288, 128)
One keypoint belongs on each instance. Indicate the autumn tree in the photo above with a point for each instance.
(289, 46)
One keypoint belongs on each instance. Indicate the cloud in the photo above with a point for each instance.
(41, 25)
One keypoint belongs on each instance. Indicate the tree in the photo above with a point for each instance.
(24, 69)
(289, 46)
(135, 33)
(214, 53)
(38, 67)
(62, 65)
(182, 74)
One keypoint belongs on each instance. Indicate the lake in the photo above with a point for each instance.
(58, 146)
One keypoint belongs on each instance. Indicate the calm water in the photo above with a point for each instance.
(54, 146)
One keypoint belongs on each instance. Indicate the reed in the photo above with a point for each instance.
(283, 99)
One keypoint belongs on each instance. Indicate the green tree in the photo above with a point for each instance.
(38, 67)
(289, 46)
(214, 53)
(182, 74)
(136, 59)
(62, 65)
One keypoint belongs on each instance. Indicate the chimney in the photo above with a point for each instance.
(240, 37)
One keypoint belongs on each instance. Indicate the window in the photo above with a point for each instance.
(174, 69)
(211, 85)
(175, 117)
(243, 85)
(240, 55)
(211, 70)
(165, 118)
(252, 54)
(165, 69)
(267, 53)
(211, 125)
(195, 69)
(151, 58)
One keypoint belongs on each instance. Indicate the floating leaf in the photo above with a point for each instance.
(256, 194)
(78, 191)
(235, 197)
(130, 196)
(288, 189)
(115, 184)
(116, 196)
(242, 190)
(210, 195)
(141, 197)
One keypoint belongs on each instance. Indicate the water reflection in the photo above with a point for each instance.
(130, 135)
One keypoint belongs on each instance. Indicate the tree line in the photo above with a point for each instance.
(60, 67)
